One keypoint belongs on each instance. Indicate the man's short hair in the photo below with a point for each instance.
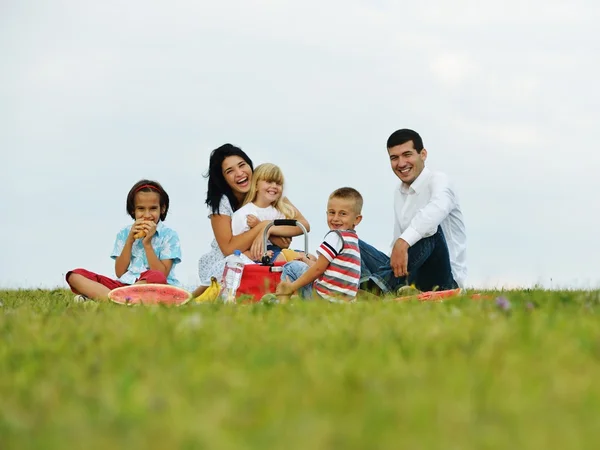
(404, 135)
(348, 193)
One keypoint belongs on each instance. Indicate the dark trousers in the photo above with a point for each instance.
(428, 266)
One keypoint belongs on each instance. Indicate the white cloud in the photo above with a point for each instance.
(453, 69)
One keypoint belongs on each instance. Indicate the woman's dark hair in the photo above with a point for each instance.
(399, 137)
(148, 186)
(217, 186)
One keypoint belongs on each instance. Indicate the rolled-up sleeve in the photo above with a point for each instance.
(120, 242)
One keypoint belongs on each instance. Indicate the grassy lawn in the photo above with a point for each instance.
(375, 374)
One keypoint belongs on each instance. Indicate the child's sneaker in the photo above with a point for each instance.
(80, 298)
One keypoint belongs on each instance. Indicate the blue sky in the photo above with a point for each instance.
(97, 95)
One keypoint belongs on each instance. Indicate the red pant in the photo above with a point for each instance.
(149, 276)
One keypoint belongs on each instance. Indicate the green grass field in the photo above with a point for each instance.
(370, 375)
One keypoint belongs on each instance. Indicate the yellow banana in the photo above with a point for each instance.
(211, 293)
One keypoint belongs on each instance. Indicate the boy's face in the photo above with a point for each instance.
(341, 214)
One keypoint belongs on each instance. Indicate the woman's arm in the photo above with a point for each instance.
(287, 231)
(221, 225)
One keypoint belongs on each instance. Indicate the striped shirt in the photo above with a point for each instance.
(340, 280)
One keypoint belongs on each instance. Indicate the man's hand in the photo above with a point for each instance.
(399, 258)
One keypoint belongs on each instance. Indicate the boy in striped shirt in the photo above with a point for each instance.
(334, 275)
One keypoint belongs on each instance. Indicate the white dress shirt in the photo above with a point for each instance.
(428, 202)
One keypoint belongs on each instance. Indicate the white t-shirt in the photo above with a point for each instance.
(238, 220)
(334, 242)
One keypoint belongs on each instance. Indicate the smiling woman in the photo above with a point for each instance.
(229, 181)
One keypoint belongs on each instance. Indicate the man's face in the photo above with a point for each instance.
(406, 163)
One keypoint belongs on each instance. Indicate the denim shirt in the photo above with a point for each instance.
(165, 243)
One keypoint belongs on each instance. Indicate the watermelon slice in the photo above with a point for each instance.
(150, 294)
(431, 296)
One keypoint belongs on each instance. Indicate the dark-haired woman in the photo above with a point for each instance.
(229, 179)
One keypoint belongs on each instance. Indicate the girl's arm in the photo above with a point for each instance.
(281, 241)
(124, 259)
(221, 225)
(163, 265)
(287, 231)
(168, 254)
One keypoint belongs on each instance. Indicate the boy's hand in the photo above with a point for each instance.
(307, 258)
(252, 220)
(284, 288)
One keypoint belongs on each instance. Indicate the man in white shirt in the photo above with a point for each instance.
(429, 245)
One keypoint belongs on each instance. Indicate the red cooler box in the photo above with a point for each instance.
(261, 279)
(258, 280)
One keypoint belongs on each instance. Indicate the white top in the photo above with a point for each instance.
(428, 202)
(238, 220)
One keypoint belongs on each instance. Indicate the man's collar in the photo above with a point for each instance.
(417, 185)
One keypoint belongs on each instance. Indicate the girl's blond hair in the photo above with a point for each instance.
(270, 172)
